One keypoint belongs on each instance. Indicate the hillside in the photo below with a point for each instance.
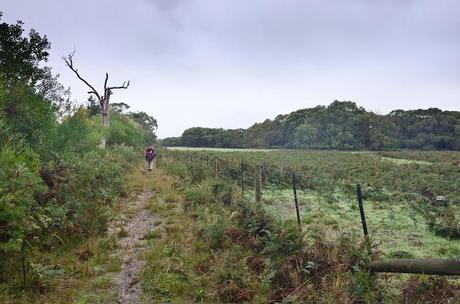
(342, 125)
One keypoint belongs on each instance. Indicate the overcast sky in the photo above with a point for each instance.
(230, 63)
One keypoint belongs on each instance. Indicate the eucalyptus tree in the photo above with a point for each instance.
(102, 98)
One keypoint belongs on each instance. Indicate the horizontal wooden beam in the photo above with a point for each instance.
(420, 266)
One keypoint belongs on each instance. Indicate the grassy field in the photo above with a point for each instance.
(399, 189)
(237, 251)
(218, 149)
(397, 228)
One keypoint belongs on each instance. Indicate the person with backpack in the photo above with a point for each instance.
(150, 155)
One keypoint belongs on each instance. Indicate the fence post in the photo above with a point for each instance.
(361, 209)
(216, 167)
(242, 180)
(294, 185)
(258, 186)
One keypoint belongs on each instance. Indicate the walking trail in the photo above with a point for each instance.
(138, 222)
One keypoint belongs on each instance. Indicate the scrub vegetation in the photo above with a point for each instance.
(219, 247)
(58, 189)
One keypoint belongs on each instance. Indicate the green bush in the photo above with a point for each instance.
(76, 134)
(18, 187)
(27, 116)
(124, 130)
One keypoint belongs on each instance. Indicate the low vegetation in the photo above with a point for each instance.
(326, 183)
(58, 190)
(218, 247)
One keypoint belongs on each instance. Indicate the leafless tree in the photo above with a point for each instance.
(103, 99)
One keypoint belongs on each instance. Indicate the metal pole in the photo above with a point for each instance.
(361, 210)
(363, 218)
(294, 182)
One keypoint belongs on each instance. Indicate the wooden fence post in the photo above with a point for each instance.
(242, 180)
(258, 186)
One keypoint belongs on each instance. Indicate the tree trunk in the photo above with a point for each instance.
(105, 111)
(105, 119)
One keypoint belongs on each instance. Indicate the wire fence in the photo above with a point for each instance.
(251, 175)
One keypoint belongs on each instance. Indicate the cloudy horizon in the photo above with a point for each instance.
(230, 63)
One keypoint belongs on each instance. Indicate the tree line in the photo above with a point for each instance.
(342, 125)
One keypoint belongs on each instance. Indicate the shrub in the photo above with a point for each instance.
(215, 234)
(196, 173)
(198, 195)
(223, 191)
(124, 130)
(22, 218)
(76, 134)
(445, 223)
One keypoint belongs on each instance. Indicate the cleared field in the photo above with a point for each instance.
(399, 188)
(400, 231)
(236, 250)
(218, 149)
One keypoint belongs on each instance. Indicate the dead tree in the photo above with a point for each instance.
(103, 99)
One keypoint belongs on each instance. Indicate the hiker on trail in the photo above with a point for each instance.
(150, 155)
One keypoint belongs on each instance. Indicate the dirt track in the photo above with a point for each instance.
(130, 247)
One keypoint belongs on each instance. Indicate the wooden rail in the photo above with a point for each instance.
(421, 266)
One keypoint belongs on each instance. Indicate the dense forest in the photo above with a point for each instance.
(341, 125)
(56, 185)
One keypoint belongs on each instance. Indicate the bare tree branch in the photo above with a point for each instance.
(125, 85)
(69, 62)
(105, 82)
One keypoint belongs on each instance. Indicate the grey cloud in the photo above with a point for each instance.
(231, 62)
(166, 5)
